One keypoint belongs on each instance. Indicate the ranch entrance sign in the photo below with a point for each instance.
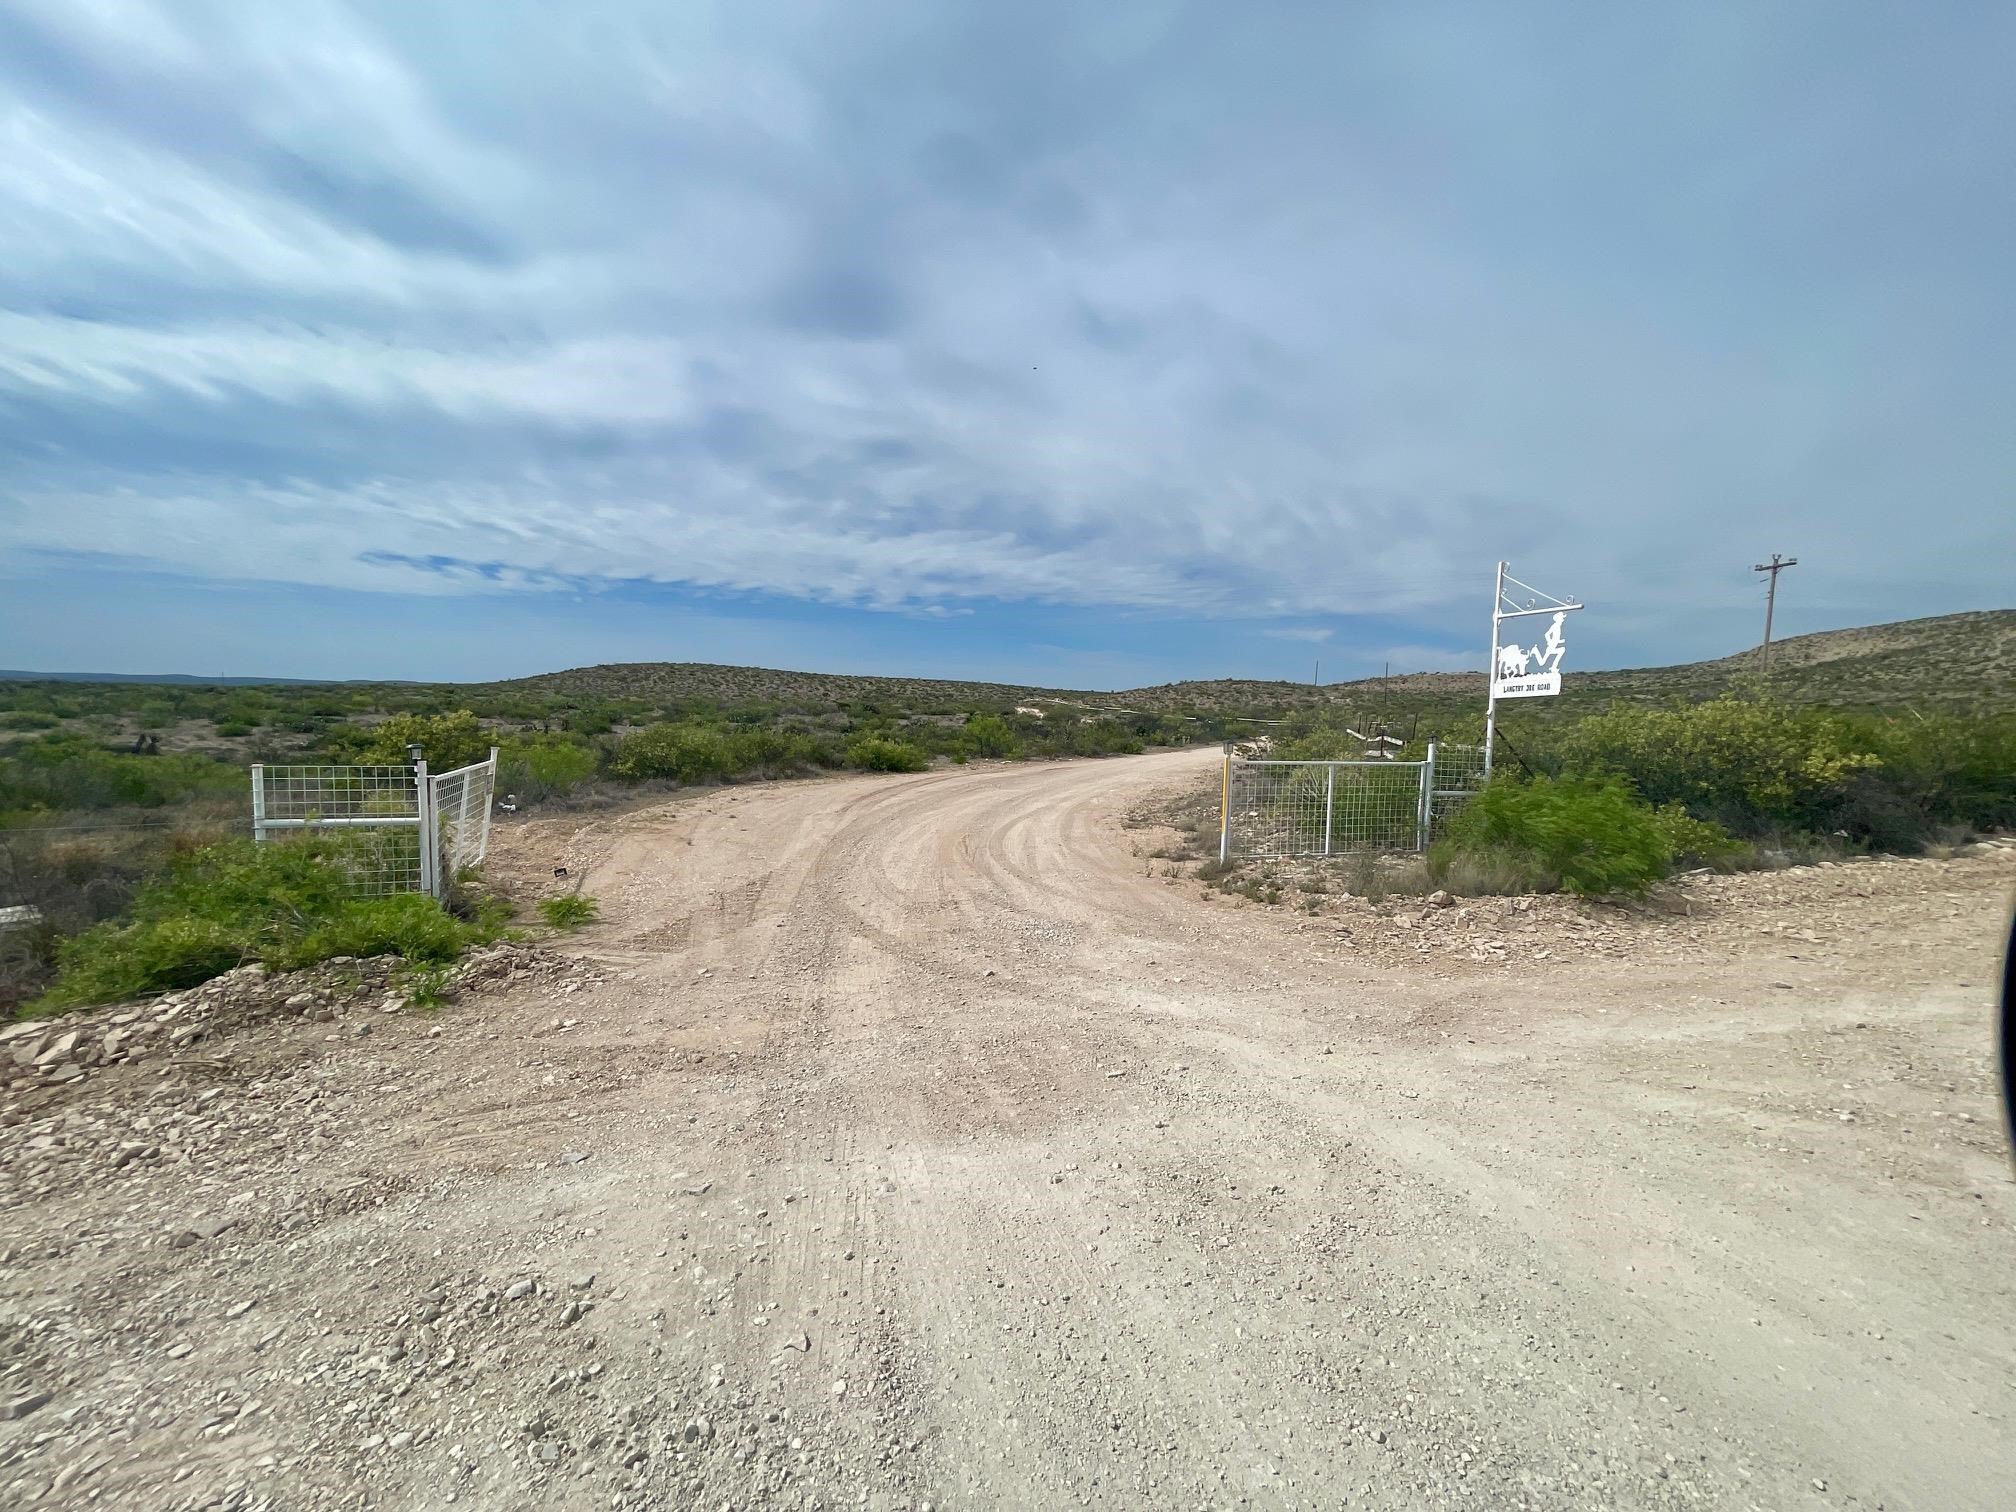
(1519, 671)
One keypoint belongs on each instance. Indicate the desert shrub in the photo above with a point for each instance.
(1743, 763)
(874, 753)
(538, 767)
(27, 719)
(569, 910)
(447, 741)
(68, 772)
(989, 735)
(1586, 835)
(775, 753)
(682, 753)
(232, 728)
(1937, 773)
(288, 905)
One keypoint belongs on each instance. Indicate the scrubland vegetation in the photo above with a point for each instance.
(123, 805)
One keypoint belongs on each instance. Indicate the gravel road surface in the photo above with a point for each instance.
(915, 1141)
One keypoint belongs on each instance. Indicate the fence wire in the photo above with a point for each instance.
(1459, 775)
(1327, 808)
(337, 792)
(366, 818)
(1324, 808)
(388, 832)
(462, 801)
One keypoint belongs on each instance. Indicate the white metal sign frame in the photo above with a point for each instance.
(1515, 671)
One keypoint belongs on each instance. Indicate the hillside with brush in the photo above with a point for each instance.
(1954, 661)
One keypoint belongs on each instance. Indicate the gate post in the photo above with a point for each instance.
(259, 801)
(1329, 802)
(1225, 807)
(1427, 812)
(430, 832)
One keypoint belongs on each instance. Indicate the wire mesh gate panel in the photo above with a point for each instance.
(1460, 774)
(371, 812)
(461, 806)
(394, 829)
(1323, 808)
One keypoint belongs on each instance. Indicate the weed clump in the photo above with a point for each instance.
(569, 911)
(287, 905)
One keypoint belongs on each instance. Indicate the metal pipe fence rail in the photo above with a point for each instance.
(1324, 808)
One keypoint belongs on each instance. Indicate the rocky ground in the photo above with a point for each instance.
(918, 1141)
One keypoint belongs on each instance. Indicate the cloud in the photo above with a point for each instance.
(1148, 310)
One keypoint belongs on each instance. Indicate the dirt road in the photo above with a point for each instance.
(907, 1141)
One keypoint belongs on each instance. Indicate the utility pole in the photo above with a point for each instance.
(1317, 680)
(1776, 565)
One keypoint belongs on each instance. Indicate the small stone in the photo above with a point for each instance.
(358, 1031)
(1440, 899)
(839, 1388)
(1782, 986)
(58, 1050)
(518, 1289)
(178, 1351)
(238, 1309)
(400, 1439)
(1818, 1484)
(20, 1406)
(546, 1452)
(583, 1282)
(573, 1157)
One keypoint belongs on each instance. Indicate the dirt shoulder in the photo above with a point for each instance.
(917, 1140)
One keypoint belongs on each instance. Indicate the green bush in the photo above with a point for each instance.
(538, 767)
(1585, 835)
(447, 741)
(1746, 764)
(873, 753)
(683, 753)
(989, 735)
(288, 905)
(68, 772)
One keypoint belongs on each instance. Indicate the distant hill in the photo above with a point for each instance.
(670, 681)
(1949, 661)
(1952, 661)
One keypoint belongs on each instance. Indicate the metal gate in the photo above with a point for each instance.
(461, 802)
(1327, 808)
(402, 829)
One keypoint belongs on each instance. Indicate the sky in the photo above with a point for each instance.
(1085, 345)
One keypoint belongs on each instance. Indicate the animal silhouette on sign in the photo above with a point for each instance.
(1512, 661)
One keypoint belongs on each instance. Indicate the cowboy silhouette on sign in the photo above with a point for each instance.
(1550, 651)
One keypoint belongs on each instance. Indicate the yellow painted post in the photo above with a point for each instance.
(1225, 807)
